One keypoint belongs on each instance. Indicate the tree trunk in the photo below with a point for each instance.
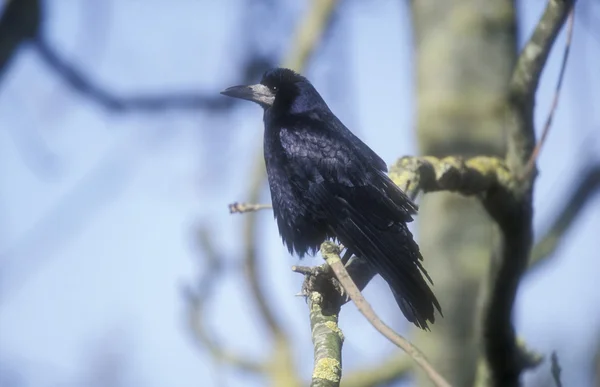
(465, 51)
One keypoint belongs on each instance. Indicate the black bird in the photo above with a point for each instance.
(327, 184)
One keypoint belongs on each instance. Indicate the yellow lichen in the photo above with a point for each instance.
(334, 327)
(328, 369)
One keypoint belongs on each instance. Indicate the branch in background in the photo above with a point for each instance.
(20, 22)
(587, 187)
(196, 301)
(536, 151)
(595, 362)
(524, 82)
(555, 370)
(512, 209)
(331, 254)
(117, 103)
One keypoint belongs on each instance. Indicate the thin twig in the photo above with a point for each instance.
(524, 83)
(240, 208)
(583, 191)
(536, 151)
(331, 254)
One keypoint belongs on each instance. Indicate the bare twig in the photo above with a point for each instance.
(331, 254)
(536, 151)
(240, 208)
(555, 369)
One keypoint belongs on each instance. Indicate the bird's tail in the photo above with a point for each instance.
(393, 257)
(394, 254)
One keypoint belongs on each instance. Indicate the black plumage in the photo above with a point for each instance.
(327, 184)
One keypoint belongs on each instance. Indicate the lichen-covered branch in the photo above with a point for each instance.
(472, 176)
(327, 340)
(506, 193)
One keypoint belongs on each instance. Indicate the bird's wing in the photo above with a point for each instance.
(318, 155)
(365, 210)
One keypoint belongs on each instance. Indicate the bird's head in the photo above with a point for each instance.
(278, 87)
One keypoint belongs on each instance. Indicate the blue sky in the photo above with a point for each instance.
(98, 234)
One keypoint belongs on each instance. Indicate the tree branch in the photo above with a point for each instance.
(524, 82)
(327, 340)
(82, 83)
(240, 208)
(330, 253)
(536, 151)
(196, 298)
(584, 191)
(472, 176)
(512, 208)
(20, 22)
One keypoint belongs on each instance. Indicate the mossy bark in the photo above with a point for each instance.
(327, 340)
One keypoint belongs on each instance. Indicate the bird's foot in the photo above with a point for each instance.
(321, 279)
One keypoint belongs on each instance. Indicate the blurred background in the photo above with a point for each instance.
(120, 264)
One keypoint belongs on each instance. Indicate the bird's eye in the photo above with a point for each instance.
(274, 88)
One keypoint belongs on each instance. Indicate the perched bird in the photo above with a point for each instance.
(327, 184)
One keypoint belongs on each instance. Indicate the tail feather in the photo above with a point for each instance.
(391, 251)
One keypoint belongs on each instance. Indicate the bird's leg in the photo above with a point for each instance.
(321, 279)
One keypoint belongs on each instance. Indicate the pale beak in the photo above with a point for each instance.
(258, 93)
